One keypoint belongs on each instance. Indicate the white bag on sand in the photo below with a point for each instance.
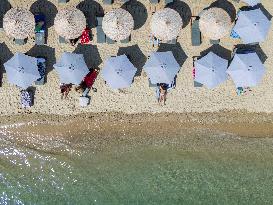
(84, 101)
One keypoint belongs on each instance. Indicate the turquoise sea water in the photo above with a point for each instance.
(146, 173)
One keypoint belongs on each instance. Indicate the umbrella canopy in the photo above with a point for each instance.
(246, 70)
(70, 23)
(118, 72)
(166, 24)
(252, 26)
(19, 23)
(118, 24)
(210, 70)
(71, 68)
(22, 70)
(252, 2)
(161, 67)
(215, 23)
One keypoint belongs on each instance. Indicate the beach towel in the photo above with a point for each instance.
(85, 38)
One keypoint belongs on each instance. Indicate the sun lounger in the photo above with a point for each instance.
(62, 39)
(195, 33)
(101, 37)
(168, 2)
(20, 41)
(107, 2)
(41, 62)
(214, 42)
(62, 1)
(27, 98)
(154, 1)
(109, 40)
(40, 35)
(173, 41)
(127, 40)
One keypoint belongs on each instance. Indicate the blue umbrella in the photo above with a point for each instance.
(246, 70)
(252, 26)
(22, 70)
(161, 67)
(210, 70)
(118, 72)
(71, 68)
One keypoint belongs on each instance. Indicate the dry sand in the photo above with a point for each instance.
(139, 98)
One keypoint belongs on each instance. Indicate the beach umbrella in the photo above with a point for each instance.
(19, 23)
(118, 72)
(246, 70)
(70, 23)
(252, 2)
(71, 68)
(22, 70)
(210, 70)
(161, 67)
(118, 24)
(215, 23)
(166, 24)
(252, 26)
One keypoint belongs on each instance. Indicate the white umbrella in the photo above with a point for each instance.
(19, 23)
(210, 70)
(71, 68)
(252, 2)
(161, 67)
(252, 26)
(246, 70)
(118, 72)
(215, 23)
(22, 70)
(166, 24)
(70, 23)
(118, 24)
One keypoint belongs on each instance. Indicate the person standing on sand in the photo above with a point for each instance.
(65, 89)
(162, 93)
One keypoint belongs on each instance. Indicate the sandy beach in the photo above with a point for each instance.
(139, 98)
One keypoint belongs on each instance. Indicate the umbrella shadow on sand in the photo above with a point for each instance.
(4, 7)
(183, 9)
(138, 11)
(135, 55)
(46, 8)
(257, 48)
(46, 52)
(91, 55)
(218, 50)
(91, 10)
(178, 53)
(258, 6)
(6, 54)
(225, 5)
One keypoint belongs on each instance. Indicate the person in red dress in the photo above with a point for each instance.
(88, 80)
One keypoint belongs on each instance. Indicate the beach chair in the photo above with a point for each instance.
(40, 34)
(168, 2)
(195, 32)
(41, 63)
(214, 42)
(62, 1)
(154, 1)
(20, 41)
(109, 40)
(127, 40)
(62, 40)
(101, 37)
(173, 41)
(107, 2)
(27, 98)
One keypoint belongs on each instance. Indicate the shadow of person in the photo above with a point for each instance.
(179, 55)
(91, 55)
(4, 7)
(91, 9)
(6, 54)
(218, 50)
(135, 55)
(138, 11)
(183, 9)
(227, 6)
(46, 52)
